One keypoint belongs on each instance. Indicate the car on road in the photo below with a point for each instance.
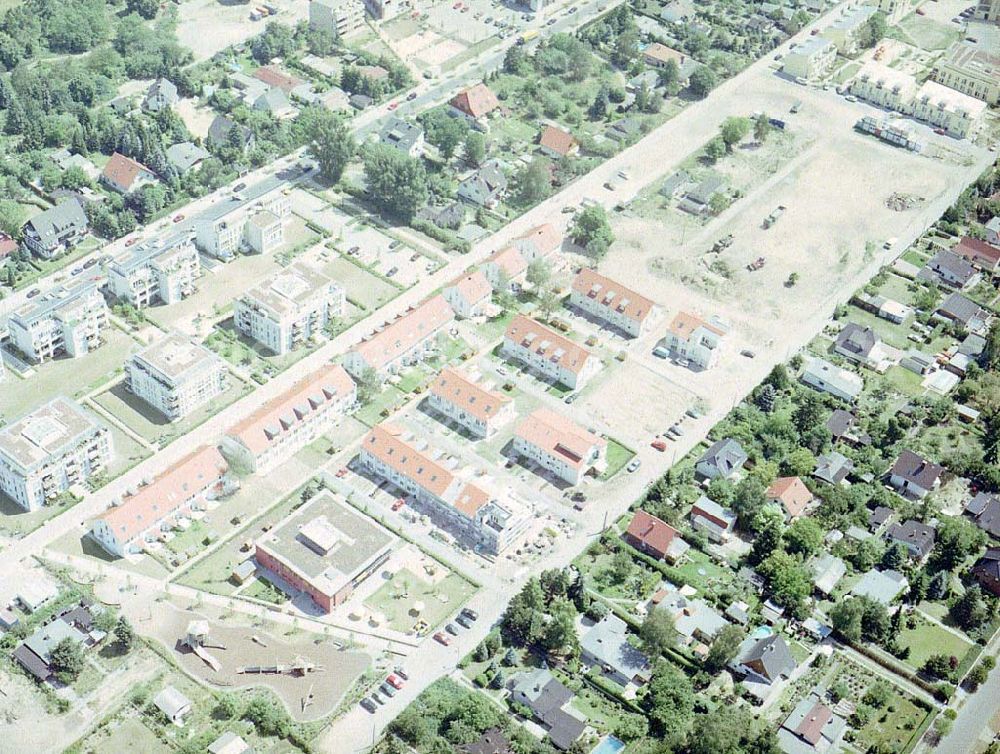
(502, 371)
(353, 251)
(940, 131)
(178, 218)
(570, 398)
(633, 465)
(442, 638)
(411, 96)
(693, 413)
(393, 105)
(76, 271)
(341, 472)
(131, 241)
(395, 244)
(659, 445)
(239, 187)
(851, 98)
(450, 628)
(395, 682)
(550, 22)
(392, 271)
(368, 705)
(574, 9)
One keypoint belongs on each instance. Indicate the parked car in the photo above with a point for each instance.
(659, 445)
(450, 628)
(398, 504)
(401, 672)
(411, 96)
(368, 705)
(89, 263)
(375, 696)
(633, 465)
(178, 218)
(570, 398)
(34, 292)
(388, 690)
(394, 681)
(442, 638)
(341, 472)
(392, 271)
(463, 621)
(470, 614)
(748, 353)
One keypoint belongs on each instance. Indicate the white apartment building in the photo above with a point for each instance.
(452, 502)
(158, 271)
(292, 420)
(610, 302)
(476, 408)
(251, 219)
(988, 10)
(552, 355)
(336, 17)
(884, 86)
(66, 321)
(53, 448)
(559, 445)
(175, 376)
(692, 338)
(894, 10)
(470, 295)
(970, 70)
(845, 32)
(402, 342)
(159, 506)
(282, 312)
(957, 113)
(810, 59)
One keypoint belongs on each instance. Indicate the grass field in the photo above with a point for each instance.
(397, 598)
(618, 457)
(930, 639)
(929, 34)
(388, 399)
(363, 287)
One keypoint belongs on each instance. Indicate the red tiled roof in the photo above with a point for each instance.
(122, 171)
(454, 387)
(473, 287)
(792, 493)
(611, 295)
(274, 77)
(7, 245)
(559, 141)
(168, 493)
(651, 531)
(403, 334)
(685, 323)
(476, 101)
(661, 52)
(546, 239)
(559, 436)
(978, 252)
(811, 727)
(547, 343)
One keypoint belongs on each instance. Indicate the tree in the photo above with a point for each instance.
(748, 500)
(330, 142)
(124, 634)
(227, 707)
(990, 358)
(539, 272)
(957, 540)
(369, 385)
(767, 542)
(733, 131)
(622, 566)
(475, 147)
(625, 49)
(444, 131)
(592, 231)
(533, 183)
(598, 109)
(761, 128)
(800, 462)
(398, 182)
(715, 149)
(895, 557)
(559, 636)
(669, 76)
(657, 632)
(939, 666)
(267, 717)
(804, 537)
(860, 618)
(145, 8)
(11, 218)
(724, 648)
(67, 660)
(731, 729)
(808, 412)
(702, 81)
(669, 702)
(788, 582)
(970, 611)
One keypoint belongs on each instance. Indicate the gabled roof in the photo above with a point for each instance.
(218, 131)
(833, 467)
(454, 387)
(167, 494)
(978, 252)
(985, 510)
(792, 493)
(405, 332)
(559, 436)
(185, 155)
(953, 264)
(916, 470)
(277, 78)
(961, 309)
(540, 241)
(913, 534)
(559, 141)
(651, 531)
(727, 455)
(510, 260)
(662, 53)
(607, 642)
(773, 655)
(52, 223)
(122, 172)
(476, 101)
(857, 339)
(612, 296)
(548, 344)
(988, 566)
(881, 586)
(473, 288)
(685, 324)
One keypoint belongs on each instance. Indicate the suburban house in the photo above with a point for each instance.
(605, 645)
(723, 460)
(657, 55)
(948, 268)
(918, 362)
(557, 143)
(979, 253)
(160, 505)
(984, 509)
(277, 78)
(791, 495)
(402, 342)
(290, 421)
(559, 445)
(48, 234)
(402, 136)
(229, 742)
(881, 586)
(75, 624)
(918, 538)
(460, 399)
(219, 134)
(173, 704)
(693, 619)
(691, 338)
(540, 242)
(811, 728)
(833, 468)
(861, 345)
(450, 216)
(964, 312)
(275, 102)
(549, 702)
(506, 265)
(655, 538)
(161, 95)
(485, 187)
(605, 300)
(716, 522)
(470, 295)
(697, 199)
(125, 175)
(914, 477)
(883, 307)
(552, 355)
(763, 663)
(453, 502)
(186, 156)
(880, 518)
(827, 571)
(987, 571)
(825, 377)
(474, 104)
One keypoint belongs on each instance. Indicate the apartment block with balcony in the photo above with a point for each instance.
(610, 302)
(52, 449)
(289, 309)
(884, 86)
(175, 376)
(559, 445)
(478, 409)
(66, 321)
(161, 271)
(232, 225)
(554, 356)
(970, 70)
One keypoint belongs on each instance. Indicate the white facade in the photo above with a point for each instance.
(694, 339)
(50, 450)
(175, 377)
(232, 226)
(67, 321)
(157, 271)
(810, 59)
(550, 354)
(290, 309)
(559, 445)
(402, 342)
(460, 399)
(608, 301)
(884, 86)
(957, 113)
(336, 17)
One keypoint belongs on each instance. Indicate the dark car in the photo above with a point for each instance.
(239, 187)
(388, 690)
(470, 614)
(463, 621)
(401, 672)
(411, 96)
(450, 628)
(34, 292)
(89, 263)
(368, 705)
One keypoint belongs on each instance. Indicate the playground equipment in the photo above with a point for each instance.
(300, 667)
(197, 640)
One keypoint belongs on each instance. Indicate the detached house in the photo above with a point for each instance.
(811, 728)
(485, 187)
(125, 175)
(549, 702)
(161, 95)
(693, 339)
(984, 509)
(860, 345)
(723, 460)
(962, 311)
(918, 538)
(948, 268)
(980, 254)
(914, 477)
(655, 538)
(763, 663)
(556, 143)
(605, 645)
(470, 295)
(709, 517)
(791, 495)
(48, 234)
(987, 571)
(825, 377)
(474, 104)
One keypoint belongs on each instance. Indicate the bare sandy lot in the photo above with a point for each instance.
(196, 118)
(207, 26)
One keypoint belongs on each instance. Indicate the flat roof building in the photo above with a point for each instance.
(401, 342)
(53, 448)
(67, 321)
(559, 445)
(552, 355)
(232, 225)
(162, 270)
(175, 376)
(612, 303)
(289, 309)
(287, 423)
(144, 516)
(970, 70)
(325, 549)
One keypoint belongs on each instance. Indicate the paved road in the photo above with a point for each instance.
(970, 727)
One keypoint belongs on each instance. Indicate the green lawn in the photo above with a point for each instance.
(263, 590)
(929, 34)
(699, 571)
(618, 457)
(904, 381)
(930, 639)
(397, 599)
(387, 400)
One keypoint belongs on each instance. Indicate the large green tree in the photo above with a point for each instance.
(397, 182)
(592, 230)
(330, 142)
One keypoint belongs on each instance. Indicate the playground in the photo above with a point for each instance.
(310, 673)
